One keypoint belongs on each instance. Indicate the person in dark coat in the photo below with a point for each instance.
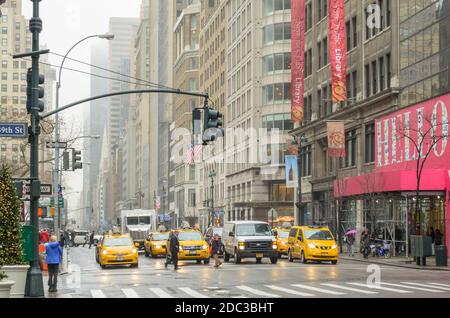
(174, 249)
(365, 243)
(215, 249)
(91, 239)
(438, 237)
(72, 237)
(54, 257)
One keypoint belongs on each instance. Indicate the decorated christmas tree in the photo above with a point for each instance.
(10, 228)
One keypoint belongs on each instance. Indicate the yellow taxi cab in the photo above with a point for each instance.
(193, 246)
(312, 243)
(117, 249)
(155, 244)
(281, 236)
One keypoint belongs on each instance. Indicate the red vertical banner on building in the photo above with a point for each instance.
(297, 59)
(338, 50)
(336, 139)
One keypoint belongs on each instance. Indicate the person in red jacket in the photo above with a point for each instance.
(44, 236)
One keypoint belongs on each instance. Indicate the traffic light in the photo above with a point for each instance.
(19, 188)
(76, 160)
(212, 125)
(40, 89)
(66, 161)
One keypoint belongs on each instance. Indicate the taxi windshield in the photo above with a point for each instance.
(119, 241)
(283, 234)
(190, 236)
(259, 229)
(160, 237)
(318, 235)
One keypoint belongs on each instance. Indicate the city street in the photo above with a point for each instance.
(247, 280)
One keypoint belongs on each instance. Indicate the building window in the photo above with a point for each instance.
(322, 8)
(308, 16)
(370, 143)
(350, 149)
(277, 32)
(322, 48)
(277, 93)
(272, 6)
(277, 63)
(368, 83)
(305, 161)
(282, 122)
(278, 192)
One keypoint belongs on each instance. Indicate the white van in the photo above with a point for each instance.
(81, 237)
(249, 239)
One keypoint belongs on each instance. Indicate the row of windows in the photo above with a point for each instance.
(278, 93)
(14, 147)
(16, 64)
(276, 32)
(23, 76)
(378, 17)
(282, 122)
(277, 63)
(272, 6)
(14, 99)
(378, 75)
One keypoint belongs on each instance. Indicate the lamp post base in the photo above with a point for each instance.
(34, 287)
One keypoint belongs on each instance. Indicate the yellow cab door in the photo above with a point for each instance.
(293, 242)
(301, 242)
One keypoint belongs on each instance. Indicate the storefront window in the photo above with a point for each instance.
(279, 192)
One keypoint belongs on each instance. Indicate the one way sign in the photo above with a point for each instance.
(52, 145)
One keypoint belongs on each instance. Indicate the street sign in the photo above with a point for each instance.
(13, 130)
(46, 189)
(52, 145)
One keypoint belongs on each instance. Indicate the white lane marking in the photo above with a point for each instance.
(320, 290)
(437, 284)
(97, 293)
(257, 292)
(192, 292)
(424, 285)
(412, 287)
(381, 288)
(160, 293)
(350, 289)
(130, 293)
(289, 291)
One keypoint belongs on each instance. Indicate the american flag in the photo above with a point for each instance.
(192, 153)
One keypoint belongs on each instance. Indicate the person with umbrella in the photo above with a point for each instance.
(350, 235)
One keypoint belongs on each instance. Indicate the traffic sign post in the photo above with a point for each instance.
(272, 214)
(13, 130)
(53, 144)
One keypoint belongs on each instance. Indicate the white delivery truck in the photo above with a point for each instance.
(138, 223)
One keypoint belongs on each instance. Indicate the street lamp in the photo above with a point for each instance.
(298, 141)
(57, 133)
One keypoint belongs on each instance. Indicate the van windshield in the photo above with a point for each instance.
(259, 229)
(318, 235)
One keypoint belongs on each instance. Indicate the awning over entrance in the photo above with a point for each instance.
(392, 181)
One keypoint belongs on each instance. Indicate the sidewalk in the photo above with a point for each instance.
(400, 261)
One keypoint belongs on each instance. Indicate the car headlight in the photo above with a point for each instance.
(311, 245)
(274, 245)
(134, 251)
(205, 247)
(105, 252)
(157, 246)
(334, 247)
(181, 248)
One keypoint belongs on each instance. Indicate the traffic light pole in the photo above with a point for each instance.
(34, 284)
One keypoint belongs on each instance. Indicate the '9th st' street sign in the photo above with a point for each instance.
(13, 130)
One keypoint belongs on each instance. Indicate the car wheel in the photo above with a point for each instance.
(280, 255)
(206, 261)
(258, 260)
(103, 266)
(290, 258)
(303, 259)
(199, 261)
(146, 253)
(237, 258)
(334, 262)
(135, 265)
(226, 257)
(274, 260)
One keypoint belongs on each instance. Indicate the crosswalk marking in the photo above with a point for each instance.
(381, 288)
(424, 285)
(350, 289)
(437, 284)
(289, 291)
(130, 293)
(258, 292)
(160, 293)
(192, 292)
(412, 287)
(320, 290)
(97, 293)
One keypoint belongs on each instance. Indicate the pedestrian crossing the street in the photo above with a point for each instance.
(307, 290)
